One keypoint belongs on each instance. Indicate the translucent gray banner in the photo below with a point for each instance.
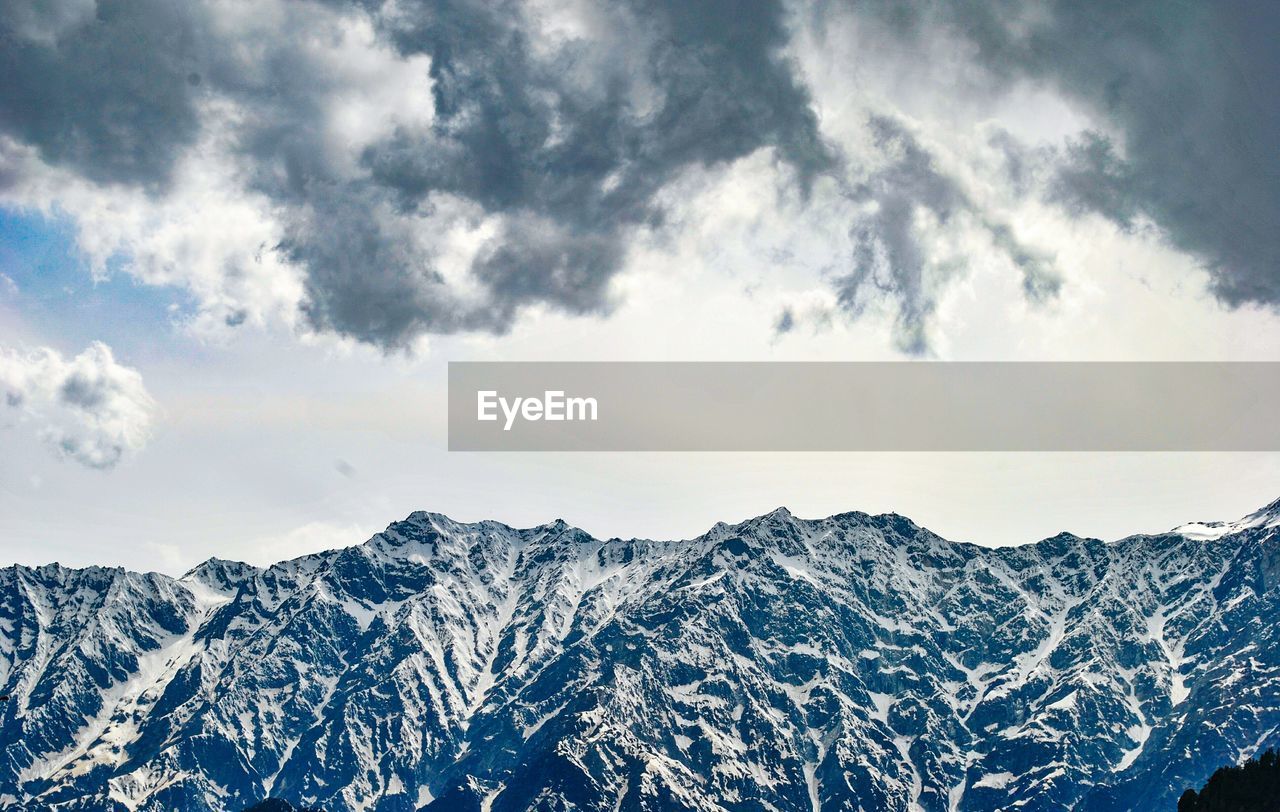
(906, 406)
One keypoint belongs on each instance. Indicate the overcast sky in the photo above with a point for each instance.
(240, 240)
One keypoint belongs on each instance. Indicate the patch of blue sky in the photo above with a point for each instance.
(52, 286)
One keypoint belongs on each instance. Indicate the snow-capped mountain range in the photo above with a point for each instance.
(853, 662)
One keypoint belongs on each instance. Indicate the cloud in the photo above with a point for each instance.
(101, 88)
(1091, 179)
(384, 171)
(786, 321)
(563, 141)
(893, 255)
(555, 125)
(1187, 96)
(90, 408)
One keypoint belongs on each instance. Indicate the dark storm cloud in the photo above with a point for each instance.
(1190, 87)
(563, 146)
(569, 150)
(100, 89)
(543, 262)
(1090, 177)
(364, 275)
(567, 146)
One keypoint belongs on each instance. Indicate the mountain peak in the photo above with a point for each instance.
(430, 517)
(1265, 516)
(220, 573)
(213, 563)
(427, 517)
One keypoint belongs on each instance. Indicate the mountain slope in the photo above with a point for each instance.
(851, 662)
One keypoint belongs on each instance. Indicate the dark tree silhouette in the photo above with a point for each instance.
(1252, 787)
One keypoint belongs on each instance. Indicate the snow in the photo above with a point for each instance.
(538, 725)
(1267, 517)
(882, 703)
(363, 615)
(993, 781)
(797, 567)
(903, 743)
(486, 803)
(523, 623)
(811, 784)
(104, 737)
(1139, 734)
(1173, 654)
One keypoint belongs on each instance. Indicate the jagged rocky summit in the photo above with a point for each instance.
(853, 662)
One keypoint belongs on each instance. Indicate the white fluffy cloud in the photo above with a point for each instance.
(89, 408)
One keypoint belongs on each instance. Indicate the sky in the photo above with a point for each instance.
(240, 241)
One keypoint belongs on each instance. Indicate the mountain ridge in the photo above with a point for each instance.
(562, 524)
(1271, 510)
(447, 665)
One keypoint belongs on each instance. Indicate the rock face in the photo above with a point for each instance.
(277, 805)
(854, 662)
